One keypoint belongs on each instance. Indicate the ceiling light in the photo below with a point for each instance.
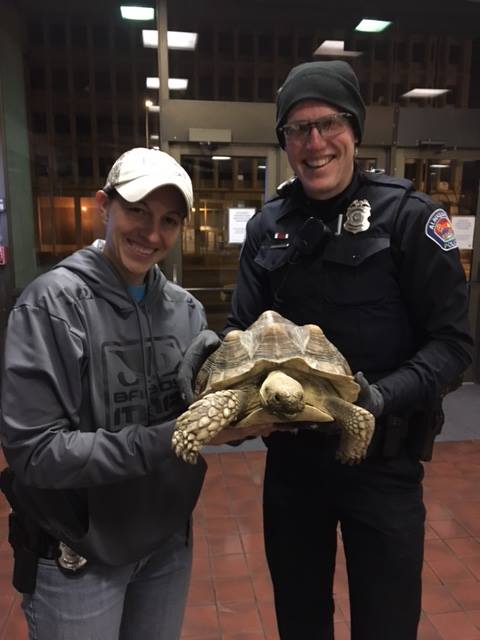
(262, 166)
(148, 103)
(177, 84)
(137, 13)
(221, 157)
(424, 93)
(372, 26)
(335, 48)
(439, 166)
(173, 83)
(182, 40)
(177, 40)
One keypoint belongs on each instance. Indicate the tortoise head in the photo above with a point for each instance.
(282, 395)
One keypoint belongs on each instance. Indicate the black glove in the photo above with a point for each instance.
(202, 346)
(369, 397)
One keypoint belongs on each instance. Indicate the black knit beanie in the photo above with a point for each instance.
(333, 82)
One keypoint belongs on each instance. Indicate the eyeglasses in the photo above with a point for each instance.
(328, 127)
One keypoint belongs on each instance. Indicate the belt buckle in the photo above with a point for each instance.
(69, 559)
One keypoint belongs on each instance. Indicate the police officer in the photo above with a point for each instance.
(376, 265)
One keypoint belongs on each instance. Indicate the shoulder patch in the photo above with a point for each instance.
(440, 229)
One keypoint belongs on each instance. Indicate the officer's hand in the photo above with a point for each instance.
(202, 346)
(369, 397)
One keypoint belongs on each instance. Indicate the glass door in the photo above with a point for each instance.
(454, 184)
(228, 190)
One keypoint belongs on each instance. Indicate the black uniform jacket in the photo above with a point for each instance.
(393, 300)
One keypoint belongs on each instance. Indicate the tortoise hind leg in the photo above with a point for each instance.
(356, 424)
(204, 419)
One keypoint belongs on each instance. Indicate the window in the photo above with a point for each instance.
(265, 46)
(125, 126)
(35, 33)
(455, 54)
(205, 88)
(205, 43)
(81, 81)
(225, 89)
(245, 45)
(100, 36)
(85, 167)
(41, 166)
(79, 35)
(104, 126)
(104, 166)
(59, 79)
(39, 123)
(225, 44)
(305, 47)
(61, 123)
(418, 52)
(121, 39)
(124, 82)
(63, 164)
(265, 89)
(58, 36)
(245, 89)
(285, 47)
(37, 78)
(103, 82)
(83, 125)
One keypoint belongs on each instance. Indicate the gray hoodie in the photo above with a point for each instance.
(89, 401)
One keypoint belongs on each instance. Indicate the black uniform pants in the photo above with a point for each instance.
(379, 506)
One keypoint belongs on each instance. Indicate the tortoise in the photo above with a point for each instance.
(274, 371)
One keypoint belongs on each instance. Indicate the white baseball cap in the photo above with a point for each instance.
(139, 171)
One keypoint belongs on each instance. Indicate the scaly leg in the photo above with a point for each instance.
(357, 427)
(204, 419)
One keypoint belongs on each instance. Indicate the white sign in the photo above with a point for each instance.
(464, 226)
(237, 223)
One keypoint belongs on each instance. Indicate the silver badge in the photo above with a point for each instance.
(70, 559)
(357, 216)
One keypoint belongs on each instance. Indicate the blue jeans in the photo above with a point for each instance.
(143, 600)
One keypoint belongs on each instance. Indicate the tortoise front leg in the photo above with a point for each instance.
(204, 419)
(356, 424)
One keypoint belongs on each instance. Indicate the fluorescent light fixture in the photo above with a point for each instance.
(154, 136)
(262, 166)
(372, 26)
(177, 40)
(150, 38)
(221, 157)
(173, 83)
(424, 93)
(177, 84)
(137, 13)
(182, 40)
(335, 48)
(439, 166)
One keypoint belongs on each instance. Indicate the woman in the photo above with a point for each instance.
(102, 506)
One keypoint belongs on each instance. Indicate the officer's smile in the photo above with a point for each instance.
(320, 163)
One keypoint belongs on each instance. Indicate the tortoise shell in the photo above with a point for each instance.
(273, 342)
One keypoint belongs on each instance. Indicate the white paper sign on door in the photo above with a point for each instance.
(237, 223)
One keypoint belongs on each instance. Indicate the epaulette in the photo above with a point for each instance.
(285, 188)
(387, 180)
